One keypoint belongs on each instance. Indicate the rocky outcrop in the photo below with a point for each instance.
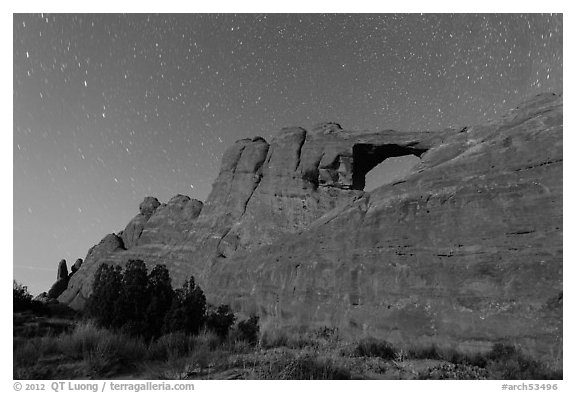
(80, 284)
(133, 230)
(62, 271)
(263, 191)
(61, 280)
(464, 251)
(75, 267)
(170, 222)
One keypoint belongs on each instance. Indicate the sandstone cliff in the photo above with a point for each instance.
(464, 251)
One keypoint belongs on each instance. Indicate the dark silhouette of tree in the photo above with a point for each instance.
(161, 295)
(221, 320)
(105, 292)
(22, 299)
(132, 303)
(188, 309)
(145, 304)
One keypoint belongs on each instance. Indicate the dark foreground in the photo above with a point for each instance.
(64, 348)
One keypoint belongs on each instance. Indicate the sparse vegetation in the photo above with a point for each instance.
(22, 297)
(248, 330)
(507, 362)
(221, 320)
(158, 332)
(22, 300)
(372, 347)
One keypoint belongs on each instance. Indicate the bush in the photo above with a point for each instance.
(248, 330)
(171, 346)
(374, 348)
(21, 297)
(221, 320)
(454, 371)
(507, 362)
(22, 300)
(207, 340)
(305, 367)
(272, 338)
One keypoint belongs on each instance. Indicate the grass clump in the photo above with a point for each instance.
(371, 347)
(305, 367)
(171, 346)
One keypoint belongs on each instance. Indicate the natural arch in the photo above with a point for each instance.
(367, 156)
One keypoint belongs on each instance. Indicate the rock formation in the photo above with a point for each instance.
(75, 267)
(464, 251)
(61, 280)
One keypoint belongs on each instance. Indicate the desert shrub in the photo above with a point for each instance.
(22, 298)
(248, 330)
(425, 352)
(221, 320)
(272, 338)
(82, 340)
(25, 352)
(235, 345)
(505, 361)
(103, 351)
(375, 348)
(208, 340)
(171, 346)
(327, 333)
(454, 371)
(447, 354)
(113, 353)
(305, 367)
(188, 310)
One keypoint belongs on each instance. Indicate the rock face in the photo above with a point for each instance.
(464, 251)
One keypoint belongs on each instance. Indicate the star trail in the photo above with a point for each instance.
(111, 108)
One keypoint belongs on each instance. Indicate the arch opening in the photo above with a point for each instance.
(366, 157)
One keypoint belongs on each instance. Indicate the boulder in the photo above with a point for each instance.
(149, 206)
(76, 266)
(57, 288)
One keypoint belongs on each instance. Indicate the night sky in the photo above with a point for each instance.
(111, 108)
